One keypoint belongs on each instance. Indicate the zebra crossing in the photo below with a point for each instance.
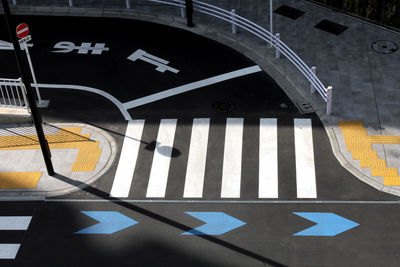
(232, 177)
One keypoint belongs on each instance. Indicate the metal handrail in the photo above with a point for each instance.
(12, 93)
(263, 34)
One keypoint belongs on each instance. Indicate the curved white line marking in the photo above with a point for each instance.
(123, 110)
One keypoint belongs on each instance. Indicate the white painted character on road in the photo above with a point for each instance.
(159, 62)
(9, 46)
(84, 48)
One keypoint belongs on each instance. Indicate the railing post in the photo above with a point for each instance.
(128, 4)
(314, 70)
(23, 90)
(271, 22)
(189, 12)
(329, 101)
(70, 3)
(277, 53)
(182, 8)
(234, 27)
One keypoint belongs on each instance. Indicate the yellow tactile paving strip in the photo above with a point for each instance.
(67, 138)
(13, 180)
(360, 145)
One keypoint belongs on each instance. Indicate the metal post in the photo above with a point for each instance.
(277, 53)
(314, 70)
(234, 27)
(329, 101)
(128, 4)
(35, 113)
(41, 103)
(271, 28)
(23, 92)
(70, 3)
(182, 9)
(189, 12)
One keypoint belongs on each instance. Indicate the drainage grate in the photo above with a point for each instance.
(305, 107)
(223, 106)
(384, 47)
(331, 27)
(290, 12)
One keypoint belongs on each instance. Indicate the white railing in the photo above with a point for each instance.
(12, 93)
(274, 40)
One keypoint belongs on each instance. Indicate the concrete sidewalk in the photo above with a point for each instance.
(80, 155)
(361, 63)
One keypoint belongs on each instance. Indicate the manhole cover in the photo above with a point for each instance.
(384, 47)
(223, 106)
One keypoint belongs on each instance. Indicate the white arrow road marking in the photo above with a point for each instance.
(190, 86)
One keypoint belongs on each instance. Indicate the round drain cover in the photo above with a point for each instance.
(223, 106)
(384, 47)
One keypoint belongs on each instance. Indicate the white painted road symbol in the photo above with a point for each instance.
(84, 48)
(159, 62)
(9, 46)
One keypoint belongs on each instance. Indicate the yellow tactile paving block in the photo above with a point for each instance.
(18, 180)
(67, 138)
(360, 145)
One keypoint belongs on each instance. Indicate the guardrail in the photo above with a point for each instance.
(237, 21)
(12, 93)
(274, 40)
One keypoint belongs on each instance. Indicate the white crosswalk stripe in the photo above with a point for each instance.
(231, 174)
(162, 158)
(128, 158)
(232, 166)
(305, 169)
(196, 165)
(268, 162)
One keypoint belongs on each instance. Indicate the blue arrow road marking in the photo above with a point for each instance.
(109, 222)
(328, 224)
(217, 223)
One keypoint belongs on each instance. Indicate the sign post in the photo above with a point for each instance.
(22, 33)
(37, 120)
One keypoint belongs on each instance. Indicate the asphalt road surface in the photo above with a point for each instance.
(110, 72)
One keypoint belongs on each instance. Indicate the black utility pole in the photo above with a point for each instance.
(189, 13)
(35, 113)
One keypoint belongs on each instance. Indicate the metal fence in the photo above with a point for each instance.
(12, 93)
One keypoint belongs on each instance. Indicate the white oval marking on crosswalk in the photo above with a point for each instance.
(196, 165)
(304, 151)
(232, 165)
(162, 158)
(268, 161)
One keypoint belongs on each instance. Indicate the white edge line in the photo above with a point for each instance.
(190, 86)
(92, 90)
(231, 201)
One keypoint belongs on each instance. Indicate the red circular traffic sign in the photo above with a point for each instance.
(22, 30)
